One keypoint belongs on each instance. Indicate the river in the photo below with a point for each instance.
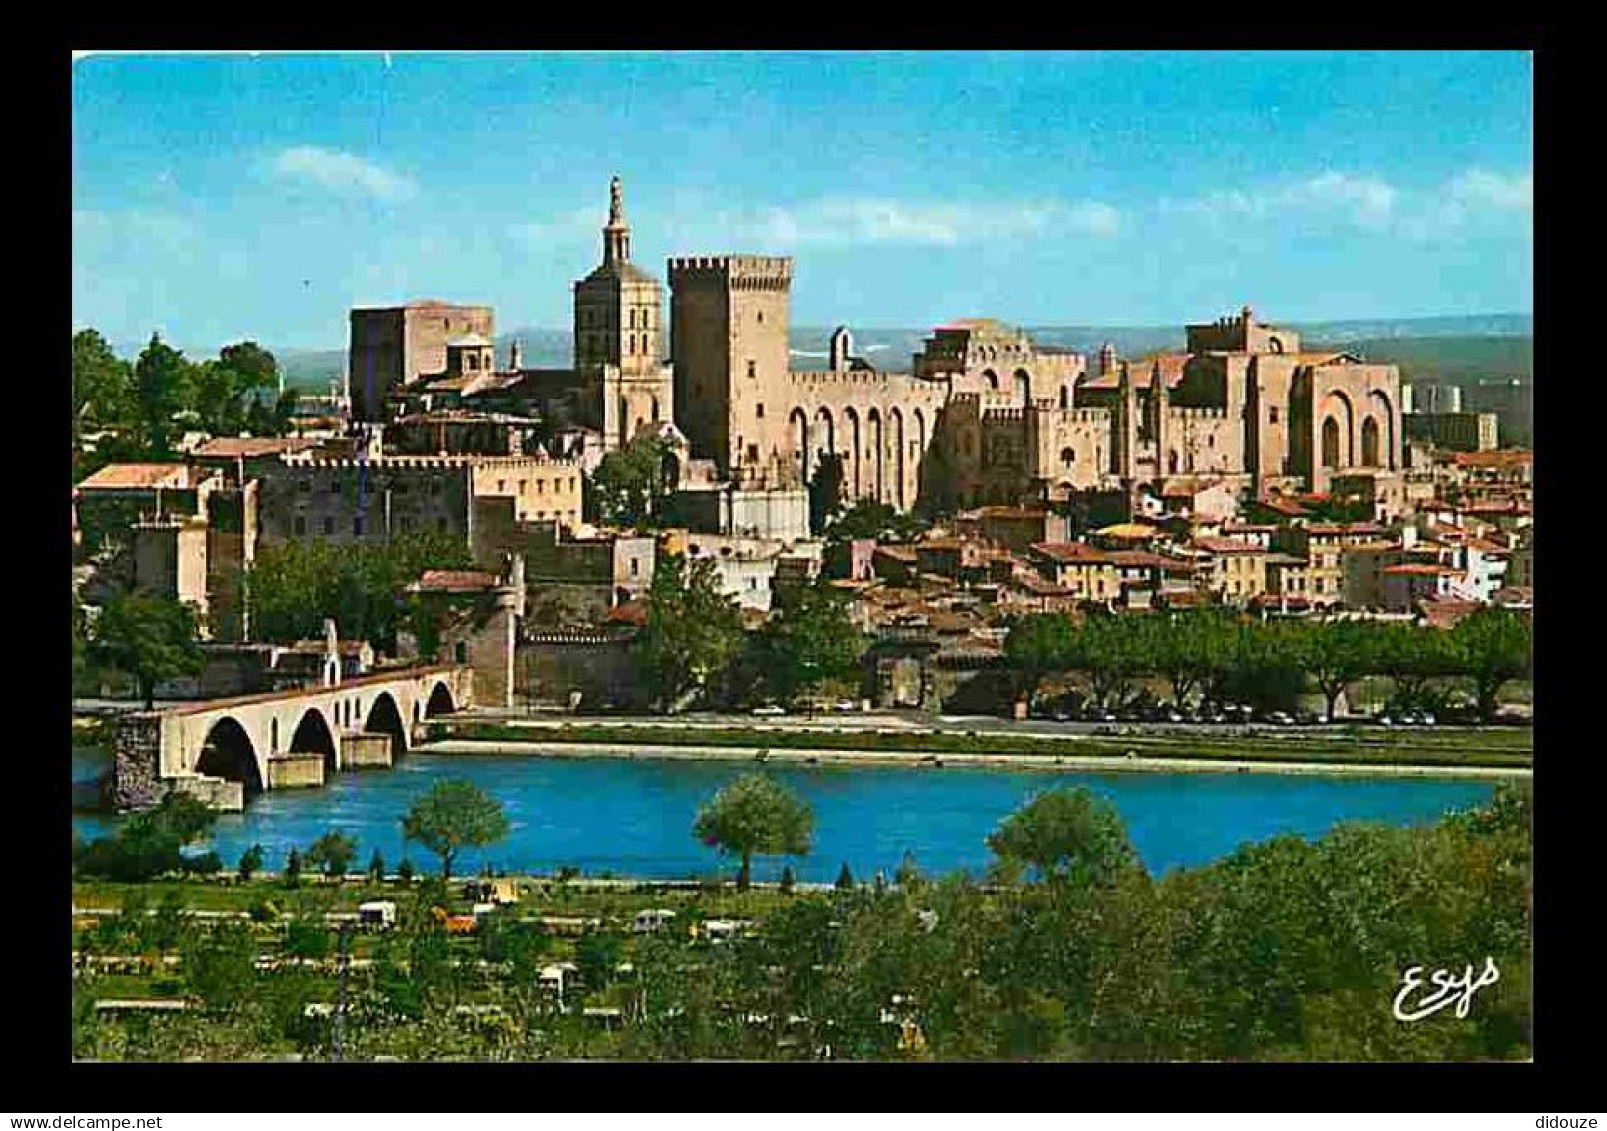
(634, 817)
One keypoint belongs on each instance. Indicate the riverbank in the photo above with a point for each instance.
(1054, 760)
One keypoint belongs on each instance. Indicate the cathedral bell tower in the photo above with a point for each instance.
(617, 233)
(618, 336)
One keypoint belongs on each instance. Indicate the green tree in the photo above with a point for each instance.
(807, 641)
(1412, 656)
(149, 638)
(845, 878)
(149, 843)
(1189, 648)
(333, 852)
(291, 588)
(1336, 653)
(1065, 834)
(693, 632)
(1492, 646)
(1039, 646)
(825, 492)
(596, 957)
(219, 969)
(755, 815)
(293, 868)
(103, 386)
(376, 868)
(163, 387)
(632, 483)
(868, 518)
(250, 862)
(455, 814)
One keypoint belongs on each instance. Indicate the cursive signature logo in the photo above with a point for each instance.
(1449, 989)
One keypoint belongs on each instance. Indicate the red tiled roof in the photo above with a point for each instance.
(457, 580)
(1325, 528)
(1283, 506)
(1493, 459)
(1229, 546)
(1421, 569)
(628, 612)
(132, 476)
(250, 447)
(1072, 552)
(1141, 558)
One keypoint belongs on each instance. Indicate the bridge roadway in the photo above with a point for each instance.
(226, 751)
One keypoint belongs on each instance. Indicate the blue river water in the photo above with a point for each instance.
(634, 817)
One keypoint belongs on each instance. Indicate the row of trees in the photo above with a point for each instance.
(694, 642)
(144, 403)
(454, 815)
(1223, 659)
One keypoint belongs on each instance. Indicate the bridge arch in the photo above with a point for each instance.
(228, 752)
(440, 701)
(313, 734)
(385, 717)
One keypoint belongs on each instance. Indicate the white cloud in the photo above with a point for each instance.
(1365, 201)
(1374, 204)
(848, 221)
(1480, 188)
(343, 173)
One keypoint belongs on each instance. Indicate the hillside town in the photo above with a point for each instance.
(995, 478)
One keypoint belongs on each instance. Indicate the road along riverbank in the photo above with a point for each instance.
(1135, 762)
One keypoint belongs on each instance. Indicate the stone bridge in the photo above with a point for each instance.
(226, 751)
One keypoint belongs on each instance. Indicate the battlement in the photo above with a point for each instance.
(739, 272)
(1178, 412)
(1085, 415)
(1004, 415)
(420, 463)
(831, 377)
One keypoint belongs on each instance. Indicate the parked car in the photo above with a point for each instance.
(772, 709)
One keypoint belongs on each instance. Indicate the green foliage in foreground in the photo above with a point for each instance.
(149, 844)
(1285, 950)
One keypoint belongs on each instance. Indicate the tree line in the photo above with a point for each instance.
(1218, 658)
(145, 404)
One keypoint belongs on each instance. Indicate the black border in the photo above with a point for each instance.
(1567, 885)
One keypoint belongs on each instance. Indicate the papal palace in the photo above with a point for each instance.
(982, 416)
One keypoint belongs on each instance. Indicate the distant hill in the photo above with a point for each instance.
(1453, 360)
(1452, 348)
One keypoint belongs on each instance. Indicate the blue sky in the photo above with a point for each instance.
(218, 197)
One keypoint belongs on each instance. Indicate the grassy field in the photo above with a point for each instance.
(1445, 746)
